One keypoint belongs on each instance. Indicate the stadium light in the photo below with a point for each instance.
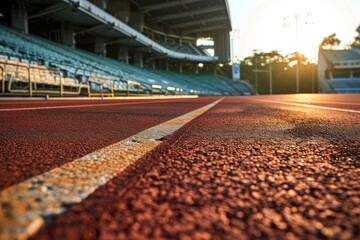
(307, 21)
(235, 35)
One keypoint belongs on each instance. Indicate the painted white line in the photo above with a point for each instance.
(155, 97)
(22, 98)
(310, 106)
(82, 106)
(24, 205)
(323, 101)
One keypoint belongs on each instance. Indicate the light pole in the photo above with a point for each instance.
(235, 35)
(270, 79)
(312, 76)
(256, 71)
(297, 16)
(312, 79)
(307, 21)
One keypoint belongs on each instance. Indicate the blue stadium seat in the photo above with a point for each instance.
(80, 65)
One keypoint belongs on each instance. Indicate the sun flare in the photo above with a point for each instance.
(296, 25)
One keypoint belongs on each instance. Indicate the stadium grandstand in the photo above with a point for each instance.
(114, 47)
(339, 70)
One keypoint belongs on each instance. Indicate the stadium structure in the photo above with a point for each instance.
(115, 47)
(339, 70)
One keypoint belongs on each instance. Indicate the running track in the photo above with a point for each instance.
(267, 167)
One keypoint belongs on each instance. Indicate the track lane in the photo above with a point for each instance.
(21, 212)
(317, 106)
(64, 104)
(32, 142)
(336, 101)
(243, 170)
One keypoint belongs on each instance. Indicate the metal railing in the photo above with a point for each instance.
(101, 82)
(29, 79)
(128, 83)
(156, 89)
(2, 80)
(31, 75)
(14, 75)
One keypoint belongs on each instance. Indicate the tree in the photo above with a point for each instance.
(330, 41)
(296, 56)
(262, 59)
(356, 43)
(283, 72)
(282, 79)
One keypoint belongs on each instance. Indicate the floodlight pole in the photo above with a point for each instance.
(297, 18)
(256, 71)
(270, 79)
(235, 35)
(297, 77)
(256, 83)
(312, 78)
(297, 53)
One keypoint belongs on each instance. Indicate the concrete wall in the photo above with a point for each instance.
(324, 87)
(222, 45)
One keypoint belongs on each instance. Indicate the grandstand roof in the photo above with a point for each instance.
(189, 16)
(342, 58)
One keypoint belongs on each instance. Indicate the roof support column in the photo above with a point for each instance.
(20, 16)
(119, 9)
(222, 45)
(100, 3)
(123, 54)
(68, 34)
(100, 47)
(138, 59)
(137, 20)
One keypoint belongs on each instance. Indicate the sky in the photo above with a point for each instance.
(290, 25)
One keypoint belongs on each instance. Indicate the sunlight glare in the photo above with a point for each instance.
(286, 33)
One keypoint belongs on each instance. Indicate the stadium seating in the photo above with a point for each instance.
(345, 85)
(52, 66)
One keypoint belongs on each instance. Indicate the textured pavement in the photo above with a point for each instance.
(35, 141)
(246, 169)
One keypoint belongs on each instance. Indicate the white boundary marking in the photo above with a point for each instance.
(84, 105)
(323, 101)
(98, 98)
(23, 206)
(310, 106)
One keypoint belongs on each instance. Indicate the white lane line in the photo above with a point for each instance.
(23, 206)
(82, 106)
(156, 97)
(310, 106)
(6, 99)
(320, 101)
